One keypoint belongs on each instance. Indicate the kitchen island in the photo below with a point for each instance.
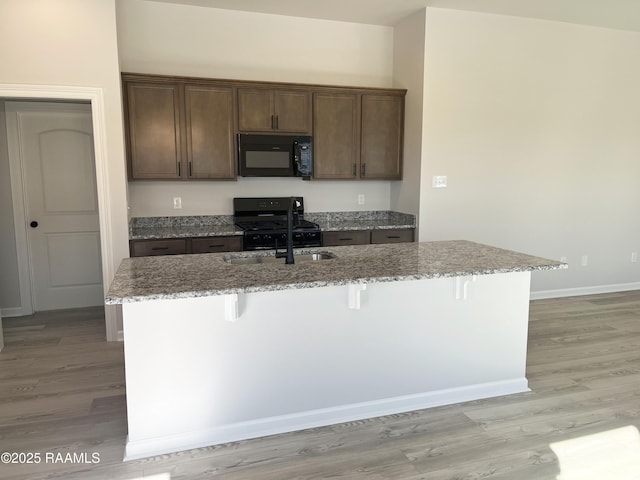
(219, 348)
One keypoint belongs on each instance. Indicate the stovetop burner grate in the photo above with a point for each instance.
(273, 225)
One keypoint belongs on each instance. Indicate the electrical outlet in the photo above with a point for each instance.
(177, 202)
(439, 181)
(584, 261)
(634, 257)
(361, 199)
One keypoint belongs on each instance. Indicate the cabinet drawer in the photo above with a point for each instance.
(352, 237)
(392, 236)
(145, 248)
(216, 244)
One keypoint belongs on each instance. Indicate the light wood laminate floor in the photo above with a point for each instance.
(62, 392)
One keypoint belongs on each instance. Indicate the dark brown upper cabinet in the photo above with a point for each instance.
(336, 136)
(177, 131)
(210, 132)
(381, 137)
(185, 128)
(358, 136)
(154, 133)
(273, 110)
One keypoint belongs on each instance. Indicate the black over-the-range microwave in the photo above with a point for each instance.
(275, 156)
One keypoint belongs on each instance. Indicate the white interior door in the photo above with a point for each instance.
(55, 146)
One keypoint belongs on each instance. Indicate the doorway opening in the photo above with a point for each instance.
(105, 269)
(55, 205)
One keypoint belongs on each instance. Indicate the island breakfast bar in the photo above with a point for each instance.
(220, 348)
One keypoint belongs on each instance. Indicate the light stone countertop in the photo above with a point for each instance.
(147, 228)
(183, 231)
(367, 220)
(186, 276)
(350, 225)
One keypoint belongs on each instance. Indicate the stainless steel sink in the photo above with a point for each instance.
(265, 259)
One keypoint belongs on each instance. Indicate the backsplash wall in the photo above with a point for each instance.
(155, 198)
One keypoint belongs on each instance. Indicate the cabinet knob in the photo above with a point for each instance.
(33, 224)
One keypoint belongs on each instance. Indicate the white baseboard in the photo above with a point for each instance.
(13, 312)
(318, 418)
(574, 292)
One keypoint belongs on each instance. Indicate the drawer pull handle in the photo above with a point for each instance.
(159, 248)
(393, 236)
(216, 246)
(345, 239)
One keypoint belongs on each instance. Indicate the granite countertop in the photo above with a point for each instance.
(147, 228)
(183, 231)
(186, 276)
(349, 225)
(368, 220)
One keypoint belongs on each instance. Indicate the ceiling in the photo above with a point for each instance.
(618, 14)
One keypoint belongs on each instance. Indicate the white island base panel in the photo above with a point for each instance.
(295, 359)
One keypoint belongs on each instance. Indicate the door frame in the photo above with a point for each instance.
(95, 96)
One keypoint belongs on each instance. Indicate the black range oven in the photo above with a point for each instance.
(264, 222)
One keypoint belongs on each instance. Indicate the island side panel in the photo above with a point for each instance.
(301, 358)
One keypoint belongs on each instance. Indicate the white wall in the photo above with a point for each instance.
(185, 40)
(165, 38)
(409, 73)
(535, 123)
(72, 42)
(150, 199)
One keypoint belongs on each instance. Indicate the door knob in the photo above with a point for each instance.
(33, 224)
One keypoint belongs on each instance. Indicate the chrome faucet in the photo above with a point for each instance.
(288, 255)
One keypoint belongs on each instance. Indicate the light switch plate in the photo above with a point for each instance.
(439, 181)
(177, 202)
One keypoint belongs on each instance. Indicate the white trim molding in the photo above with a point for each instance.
(96, 97)
(579, 291)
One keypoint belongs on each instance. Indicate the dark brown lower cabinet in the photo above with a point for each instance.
(363, 237)
(216, 244)
(145, 248)
(392, 236)
(352, 237)
(179, 246)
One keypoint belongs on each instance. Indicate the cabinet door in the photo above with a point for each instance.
(255, 110)
(209, 132)
(382, 133)
(336, 136)
(144, 248)
(281, 111)
(354, 237)
(216, 244)
(292, 111)
(392, 236)
(154, 131)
